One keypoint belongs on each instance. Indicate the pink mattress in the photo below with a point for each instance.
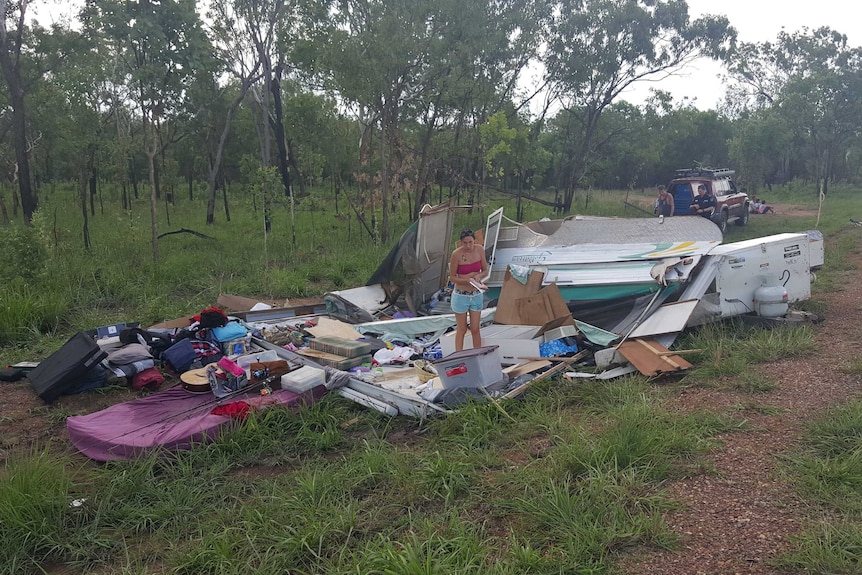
(173, 419)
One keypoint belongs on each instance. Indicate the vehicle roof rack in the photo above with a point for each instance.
(712, 173)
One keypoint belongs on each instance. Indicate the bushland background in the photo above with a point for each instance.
(756, 449)
(302, 137)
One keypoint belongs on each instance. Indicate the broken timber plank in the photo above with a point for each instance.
(617, 372)
(561, 366)
(651, 358)
(514, 371)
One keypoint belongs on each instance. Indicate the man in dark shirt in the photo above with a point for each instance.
(704, 204)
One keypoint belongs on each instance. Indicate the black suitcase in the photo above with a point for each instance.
(65, 366)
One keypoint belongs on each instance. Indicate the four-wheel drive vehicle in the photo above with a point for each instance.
(732, 205)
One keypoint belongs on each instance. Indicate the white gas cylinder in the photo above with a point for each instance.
(770, 299)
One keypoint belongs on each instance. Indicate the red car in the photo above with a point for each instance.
(732, 205)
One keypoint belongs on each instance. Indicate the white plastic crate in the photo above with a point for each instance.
(477, 367)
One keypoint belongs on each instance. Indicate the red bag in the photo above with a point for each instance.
(150, 379)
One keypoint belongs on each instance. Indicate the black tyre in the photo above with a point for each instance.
(743, 219)
(721, 221)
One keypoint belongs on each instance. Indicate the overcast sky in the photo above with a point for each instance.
(755, 21)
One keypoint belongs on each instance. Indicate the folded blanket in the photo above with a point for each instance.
(131, 369)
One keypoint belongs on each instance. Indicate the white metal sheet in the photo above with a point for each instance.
(599, 253)
(669, 318)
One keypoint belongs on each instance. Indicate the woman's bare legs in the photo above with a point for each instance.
(475, 324)
(460, 330)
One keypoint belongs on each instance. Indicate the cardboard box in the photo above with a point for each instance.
(513, 290)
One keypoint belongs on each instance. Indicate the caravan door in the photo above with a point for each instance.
(492, 233)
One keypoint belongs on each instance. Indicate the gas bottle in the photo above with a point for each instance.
(770, 299)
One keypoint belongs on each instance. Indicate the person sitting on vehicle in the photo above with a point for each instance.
(664, 203)
(704, 204)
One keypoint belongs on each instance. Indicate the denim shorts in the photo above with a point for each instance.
(463, 301)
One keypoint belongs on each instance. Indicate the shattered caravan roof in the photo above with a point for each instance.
(580, 230)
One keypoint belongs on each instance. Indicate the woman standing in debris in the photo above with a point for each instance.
(467, 267)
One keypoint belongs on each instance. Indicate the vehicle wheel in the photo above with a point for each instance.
(721, 221)
(743, 219)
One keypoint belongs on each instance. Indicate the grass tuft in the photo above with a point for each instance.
(834, 548)
(828, 472)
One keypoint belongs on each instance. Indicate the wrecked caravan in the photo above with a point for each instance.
(616, 279)
(584, 297)
(604, 266)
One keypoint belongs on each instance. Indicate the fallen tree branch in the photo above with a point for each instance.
(187, 231)
(638, 208)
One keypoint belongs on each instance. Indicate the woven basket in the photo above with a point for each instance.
(423, 370)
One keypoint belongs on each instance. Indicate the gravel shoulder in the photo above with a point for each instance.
(742, 514)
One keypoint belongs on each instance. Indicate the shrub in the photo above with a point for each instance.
(23, 254)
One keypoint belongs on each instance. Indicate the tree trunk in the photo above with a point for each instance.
(4, 214)
(277, 122)
(10, 54)
(155, 177)
(29, 201)
(384, 188)
(93, 190)
(133, 176)
(291, 158)
(154, 204)
(85, 191)
(216, 162)
(224, 196)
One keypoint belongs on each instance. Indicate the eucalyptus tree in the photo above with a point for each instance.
(482, 51)
(158, 44)
(513, 157)
(12, 34)
(236, 51)
(810, 81)
(70, 111)
(761, 148)
(375, 59)
(598, 48)
(413, 71)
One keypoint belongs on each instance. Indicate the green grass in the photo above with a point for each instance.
(827, 471)
(853, 367)
(826, 547)
(565, 480)
(293, 492)
(728, 349)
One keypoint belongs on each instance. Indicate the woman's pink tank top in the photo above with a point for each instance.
(464, 269)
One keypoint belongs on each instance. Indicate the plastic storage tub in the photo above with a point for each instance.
(477, 367)
(302, 379)
(244, 361)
